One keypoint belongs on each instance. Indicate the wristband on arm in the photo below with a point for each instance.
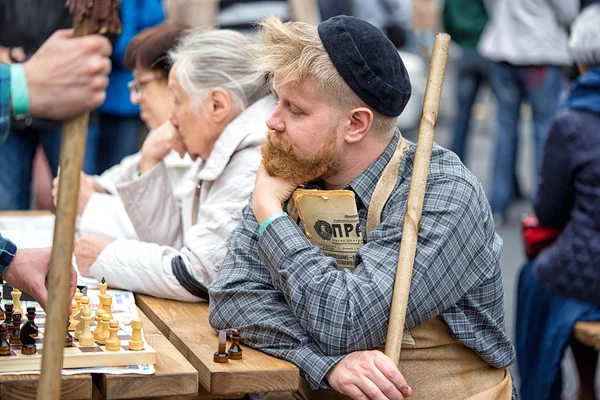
(268, 221)
(19, 92)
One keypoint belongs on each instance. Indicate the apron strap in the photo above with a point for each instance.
(385, 186)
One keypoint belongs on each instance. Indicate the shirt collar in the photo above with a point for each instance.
(364, 184)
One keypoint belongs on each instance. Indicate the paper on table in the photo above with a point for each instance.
(35, 232)
(28, 232)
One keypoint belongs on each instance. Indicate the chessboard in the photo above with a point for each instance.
(77, 356)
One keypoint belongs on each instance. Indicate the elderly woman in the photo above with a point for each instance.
(219, 114)
(100, 208)
(562, 285)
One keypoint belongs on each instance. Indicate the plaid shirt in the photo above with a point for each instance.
(4, 102)
(291, 301)
(7, 254)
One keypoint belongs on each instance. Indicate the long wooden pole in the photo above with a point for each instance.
(416, 194)
(87, 19)
(72, 150)
(305, 11)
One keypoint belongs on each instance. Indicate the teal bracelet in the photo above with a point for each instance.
(19, 93)
(268, 221)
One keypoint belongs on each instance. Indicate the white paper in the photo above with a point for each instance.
(28, 232)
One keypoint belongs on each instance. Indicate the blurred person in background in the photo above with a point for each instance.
(120, 126)
(392, 17)
(527, 40)
(24, 26)
(99, 206)
(562, 284)
(241, 15)
(219, 112)
(465, 20)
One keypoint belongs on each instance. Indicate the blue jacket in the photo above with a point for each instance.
(569, 195)
(136, 15)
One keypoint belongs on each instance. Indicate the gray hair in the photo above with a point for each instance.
(206, 59)
(584, 42)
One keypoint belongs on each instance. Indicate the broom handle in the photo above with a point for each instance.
(416, 194)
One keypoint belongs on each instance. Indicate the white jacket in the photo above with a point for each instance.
(529, 32)
(163, 221)
(105, 215)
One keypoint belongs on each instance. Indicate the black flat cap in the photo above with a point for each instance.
(368, 61)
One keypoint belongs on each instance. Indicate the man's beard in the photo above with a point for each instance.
(282, 160)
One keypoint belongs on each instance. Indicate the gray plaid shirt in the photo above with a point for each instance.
(291, 301)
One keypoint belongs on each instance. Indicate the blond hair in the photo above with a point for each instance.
(295, 51)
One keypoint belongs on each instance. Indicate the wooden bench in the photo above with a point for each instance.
(186, 326)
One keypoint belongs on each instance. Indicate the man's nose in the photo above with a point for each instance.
(275, 122)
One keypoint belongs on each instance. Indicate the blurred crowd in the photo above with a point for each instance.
(544, 53)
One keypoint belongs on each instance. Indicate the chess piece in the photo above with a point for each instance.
(68, 338)
(77, 298)
(1, 310)
(86, 337)
(4, 345)
(16, 330)
(72, 324)
(113, 343)
(102, 286)
(31, 318)
(16, 296)
(235, 351)
(106, 302)
(8, 311)
(105, 333)
(99, 313)
(85, 303)
(220, 355)
(136, 343)
(26, 338)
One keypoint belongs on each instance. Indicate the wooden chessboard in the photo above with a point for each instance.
(77, 356)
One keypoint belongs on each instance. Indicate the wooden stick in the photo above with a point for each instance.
(416, 195)
(71, 159)
(305, 11)
(87, 19)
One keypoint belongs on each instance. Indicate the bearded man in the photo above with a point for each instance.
(341, 86)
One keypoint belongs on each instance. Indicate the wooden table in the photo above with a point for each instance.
(186, 326)
(185, 344)
(174, 376)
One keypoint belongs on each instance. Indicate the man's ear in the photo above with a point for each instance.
(220, 103)
(361, 120)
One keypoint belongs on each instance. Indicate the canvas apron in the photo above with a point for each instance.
(434, 363)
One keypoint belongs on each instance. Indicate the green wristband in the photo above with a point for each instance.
(19, 93)
(268, 221)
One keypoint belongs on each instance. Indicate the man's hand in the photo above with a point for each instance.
(29, 270)
(88, 185)
(157, 145)
(87, 250)
(269, 194)
(368, 375)
(68, 75)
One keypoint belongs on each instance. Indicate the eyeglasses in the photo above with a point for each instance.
(137, 86)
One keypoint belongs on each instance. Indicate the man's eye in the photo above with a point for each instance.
(295, 112)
